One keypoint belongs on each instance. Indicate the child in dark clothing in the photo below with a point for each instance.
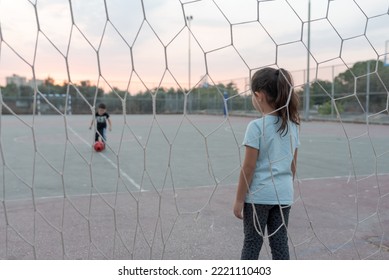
(102, 118)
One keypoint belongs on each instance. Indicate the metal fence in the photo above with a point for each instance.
(198, 102)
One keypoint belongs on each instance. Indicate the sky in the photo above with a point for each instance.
(141, 45)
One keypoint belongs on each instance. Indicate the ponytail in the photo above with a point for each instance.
(279, 89)
(287, 101)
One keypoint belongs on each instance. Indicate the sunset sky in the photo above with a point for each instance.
(128, 39)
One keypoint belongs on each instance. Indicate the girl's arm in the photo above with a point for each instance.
(294, 164)
(245, 178)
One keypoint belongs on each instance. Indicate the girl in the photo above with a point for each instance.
(265, 187)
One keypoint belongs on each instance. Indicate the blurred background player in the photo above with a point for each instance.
(102, 118)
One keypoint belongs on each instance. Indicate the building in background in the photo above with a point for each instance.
(22, 81)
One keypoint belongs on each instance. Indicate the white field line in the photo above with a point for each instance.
(124, 174)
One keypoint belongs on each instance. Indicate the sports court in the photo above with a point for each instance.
(165, 185)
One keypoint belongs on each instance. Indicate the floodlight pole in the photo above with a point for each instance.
(189, 19)
(367, 90)
(307, 89)
(386, 62)
(332, 91)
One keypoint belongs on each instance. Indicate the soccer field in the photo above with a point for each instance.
(167, 151)
(164, 188)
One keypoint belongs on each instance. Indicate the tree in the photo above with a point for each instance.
(378, 76)
(355, 81)
(49, 81)
(49, 87)
(26, 91)
(10, 90)
(320, 92)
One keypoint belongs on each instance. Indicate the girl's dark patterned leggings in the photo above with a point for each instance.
(266, 216)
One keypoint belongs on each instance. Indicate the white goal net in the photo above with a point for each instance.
(174, 76)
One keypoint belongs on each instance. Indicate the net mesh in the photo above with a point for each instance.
(165, 184)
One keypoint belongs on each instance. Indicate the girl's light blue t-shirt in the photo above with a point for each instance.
(273, 179)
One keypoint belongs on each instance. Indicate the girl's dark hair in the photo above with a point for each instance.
(277, 84)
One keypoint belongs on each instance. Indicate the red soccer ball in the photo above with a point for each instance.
(99, 146)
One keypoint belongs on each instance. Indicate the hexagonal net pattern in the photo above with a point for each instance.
(175, 76)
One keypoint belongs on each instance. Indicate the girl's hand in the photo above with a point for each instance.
(238, 209)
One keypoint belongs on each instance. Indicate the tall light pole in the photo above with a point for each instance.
(307, 89)
(189, 19)
(367, 90)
